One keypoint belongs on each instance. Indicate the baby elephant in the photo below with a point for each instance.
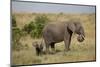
(38, 48)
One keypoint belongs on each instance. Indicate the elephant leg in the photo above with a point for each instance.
(47, 43)
(53, 47)
(48, 40)
(47, 48)
(67, 40)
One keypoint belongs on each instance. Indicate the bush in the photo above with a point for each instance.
(39, 23)
(13, 21)
(16, 36)
(41, 19)
(29, 27)
(35, 28)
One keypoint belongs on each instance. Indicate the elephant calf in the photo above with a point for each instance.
(38, 48)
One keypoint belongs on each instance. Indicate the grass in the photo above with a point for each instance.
(84, 51)
(77, 53)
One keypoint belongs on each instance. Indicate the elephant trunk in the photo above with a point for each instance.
(81, 38)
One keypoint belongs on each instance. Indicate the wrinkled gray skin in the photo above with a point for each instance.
(57, 32)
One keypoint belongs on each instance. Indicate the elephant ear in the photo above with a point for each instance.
(71, 27)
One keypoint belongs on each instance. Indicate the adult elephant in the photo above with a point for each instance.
(62, 31)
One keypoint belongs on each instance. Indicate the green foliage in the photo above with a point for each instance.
(39, 23)
(16, 36)
(29, 27)
(41, 19)
(13, 21)
(35, 28)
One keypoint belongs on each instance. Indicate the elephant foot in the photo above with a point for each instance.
(67, 49)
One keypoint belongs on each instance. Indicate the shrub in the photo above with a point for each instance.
(39, 23)
(41, 19)
(13, 21)
(16, 36)
(29, 27)
(35, 28)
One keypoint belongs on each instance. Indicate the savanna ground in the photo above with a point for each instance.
(84, 51)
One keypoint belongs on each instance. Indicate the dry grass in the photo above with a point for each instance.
(84, 51)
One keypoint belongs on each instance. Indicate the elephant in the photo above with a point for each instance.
(62, 31)
(38, 48)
